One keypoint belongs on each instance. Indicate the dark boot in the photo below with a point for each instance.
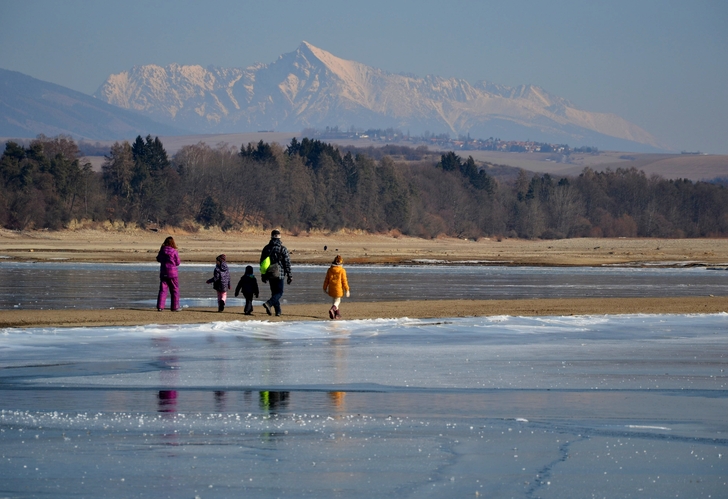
(337, 315)
(220, 305)
(332, 312)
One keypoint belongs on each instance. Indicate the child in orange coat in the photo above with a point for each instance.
(336, 285)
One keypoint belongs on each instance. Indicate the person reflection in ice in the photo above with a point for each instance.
(272, 402)
(219, 401)
(339, 346)
(168, 374)
(167, 401)
(337, 399)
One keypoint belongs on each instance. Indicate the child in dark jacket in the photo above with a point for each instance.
(249, 286)
(220, 281)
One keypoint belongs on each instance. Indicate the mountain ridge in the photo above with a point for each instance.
(29, 107)
(306, 88)
(311, 87)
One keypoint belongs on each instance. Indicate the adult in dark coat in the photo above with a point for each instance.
(278, 272)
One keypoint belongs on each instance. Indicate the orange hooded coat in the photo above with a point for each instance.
(335, 283)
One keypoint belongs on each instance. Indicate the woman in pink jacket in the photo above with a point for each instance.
(168, 257)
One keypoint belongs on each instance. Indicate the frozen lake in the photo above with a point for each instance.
(544, 407)
(73, 285)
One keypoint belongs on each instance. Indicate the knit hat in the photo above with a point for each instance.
(276, 234)
(249, 270)
(338, 260)
(221, 258)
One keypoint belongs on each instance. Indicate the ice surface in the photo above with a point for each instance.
(59, 285)
(589, 406)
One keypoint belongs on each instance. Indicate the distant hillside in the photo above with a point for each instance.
(691, 167)
(668, 166)
(29, 107)
(313, 88)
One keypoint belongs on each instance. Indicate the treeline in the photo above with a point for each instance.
(312, 185)
(44, 185)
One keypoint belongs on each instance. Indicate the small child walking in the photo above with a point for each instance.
(248, 284)
(220, 281)
(336, 285)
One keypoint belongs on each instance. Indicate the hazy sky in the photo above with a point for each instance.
(662, 65)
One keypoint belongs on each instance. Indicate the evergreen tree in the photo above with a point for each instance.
(151, 181)
(313, 151)
(210, 213)
(262, 153)
(450, 162)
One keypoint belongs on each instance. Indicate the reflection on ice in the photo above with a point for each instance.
(617, 406)
(583, 352)
(316, 452)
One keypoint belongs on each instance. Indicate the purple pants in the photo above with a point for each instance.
(173, 284)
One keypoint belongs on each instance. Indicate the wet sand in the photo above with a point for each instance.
(370, 310)
(142, 246)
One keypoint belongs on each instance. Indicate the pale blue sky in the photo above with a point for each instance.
(662, 65)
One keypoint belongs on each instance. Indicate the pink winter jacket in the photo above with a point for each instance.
(169, 258)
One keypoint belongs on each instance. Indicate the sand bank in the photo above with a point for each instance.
(203, 246)
(370, 310)
(142, 246)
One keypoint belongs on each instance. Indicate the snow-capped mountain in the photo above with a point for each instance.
(313, 88)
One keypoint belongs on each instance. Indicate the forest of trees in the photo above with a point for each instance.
(311, 185)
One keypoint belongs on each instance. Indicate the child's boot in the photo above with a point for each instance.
(220, 305)
(337, 315)
(332, 312)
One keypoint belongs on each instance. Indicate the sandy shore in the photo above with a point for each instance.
(142, 246)
(370, 310)
(202, 247)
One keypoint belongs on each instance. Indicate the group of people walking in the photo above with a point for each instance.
(275, 269)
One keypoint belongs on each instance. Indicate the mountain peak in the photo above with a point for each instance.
(335, 64)
(351, 75)
(320, 54)
(306, 45)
